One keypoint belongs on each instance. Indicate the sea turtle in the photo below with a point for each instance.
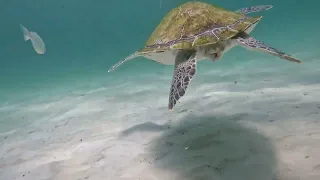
(195, 31)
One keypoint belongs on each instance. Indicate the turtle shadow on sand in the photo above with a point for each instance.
(147, 126)
(213, 147)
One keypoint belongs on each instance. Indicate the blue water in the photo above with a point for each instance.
(85, 38)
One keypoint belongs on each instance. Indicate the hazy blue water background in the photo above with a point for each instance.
(85, 38)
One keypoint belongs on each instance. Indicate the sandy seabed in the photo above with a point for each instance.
(219, 131)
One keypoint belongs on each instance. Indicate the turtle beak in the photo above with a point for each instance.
(214, 56)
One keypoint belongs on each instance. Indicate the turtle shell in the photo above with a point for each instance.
(196, 24)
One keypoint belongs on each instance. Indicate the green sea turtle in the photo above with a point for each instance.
(195, 31)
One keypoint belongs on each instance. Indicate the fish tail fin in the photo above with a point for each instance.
(26, 33)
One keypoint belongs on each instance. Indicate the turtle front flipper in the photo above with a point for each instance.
(254, 44)
(253, 9)
(134, 55)
(185, 69)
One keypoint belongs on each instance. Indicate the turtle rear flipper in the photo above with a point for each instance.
(184, 70)
(251, 43)
(253, 9)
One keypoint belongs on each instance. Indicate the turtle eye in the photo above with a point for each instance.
(214, 55)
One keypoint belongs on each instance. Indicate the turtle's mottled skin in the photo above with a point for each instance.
(195, 31)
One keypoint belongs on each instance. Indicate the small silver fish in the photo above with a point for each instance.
(37, 42)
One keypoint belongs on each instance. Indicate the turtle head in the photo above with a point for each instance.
(211, 51)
